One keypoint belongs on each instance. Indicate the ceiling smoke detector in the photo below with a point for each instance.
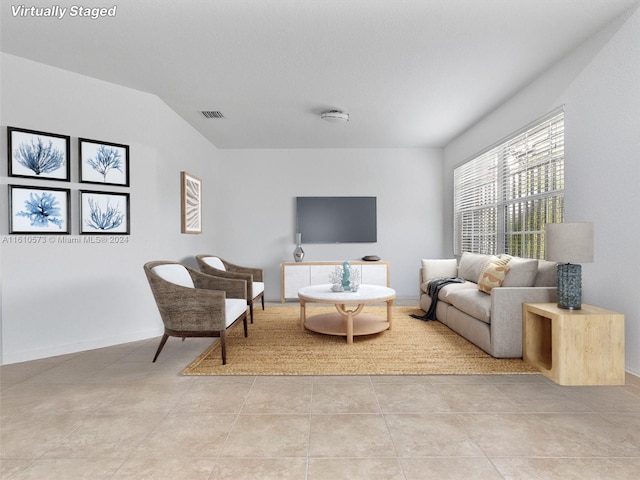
(334, 116)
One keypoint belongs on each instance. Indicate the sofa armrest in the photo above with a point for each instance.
(506, 316)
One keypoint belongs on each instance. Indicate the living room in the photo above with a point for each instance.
(248, 211)
(79, 325)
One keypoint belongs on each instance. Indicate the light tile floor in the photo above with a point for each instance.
(112, 414)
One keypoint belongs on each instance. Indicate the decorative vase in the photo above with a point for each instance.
(298, 253)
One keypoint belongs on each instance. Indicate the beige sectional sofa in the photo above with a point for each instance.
(492, 321)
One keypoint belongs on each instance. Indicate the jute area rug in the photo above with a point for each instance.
(277, 345)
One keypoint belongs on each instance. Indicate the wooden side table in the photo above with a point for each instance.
(574, 347)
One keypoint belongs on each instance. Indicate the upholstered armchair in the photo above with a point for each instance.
(214, 265)
(193, 304)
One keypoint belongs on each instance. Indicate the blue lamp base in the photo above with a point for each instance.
(570, 286)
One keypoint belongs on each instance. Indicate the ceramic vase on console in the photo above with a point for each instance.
(298, 253)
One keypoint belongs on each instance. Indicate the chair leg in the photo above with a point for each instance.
(244, 321)
(251, 310)
(223, 346)
(262, 298)
(162, 342)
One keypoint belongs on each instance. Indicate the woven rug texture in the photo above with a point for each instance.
(277, 345)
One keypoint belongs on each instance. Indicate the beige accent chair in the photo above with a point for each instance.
(214, 265)
(193, 304)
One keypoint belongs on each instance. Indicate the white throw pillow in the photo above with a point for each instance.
(214, 262)
(173, 273)
(438, 268)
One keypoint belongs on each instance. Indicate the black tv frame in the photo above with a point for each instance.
(337, 219)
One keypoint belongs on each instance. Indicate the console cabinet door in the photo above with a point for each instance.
(321, 274)
(375, 275)
(296, 277)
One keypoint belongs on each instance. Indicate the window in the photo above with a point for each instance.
(504, 196)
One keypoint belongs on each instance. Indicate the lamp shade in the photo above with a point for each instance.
(569, 242)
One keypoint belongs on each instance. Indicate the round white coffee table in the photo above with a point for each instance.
(347, 321)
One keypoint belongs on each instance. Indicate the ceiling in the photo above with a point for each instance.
(410, 73)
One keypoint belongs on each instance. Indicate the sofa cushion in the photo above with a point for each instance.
(472, 302)
(454, 287)
(547, 274)
(493, 275)
(522, 272)
(258, 288)
(233, 308)
(472, 264)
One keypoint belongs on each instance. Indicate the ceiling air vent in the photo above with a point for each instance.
(212, 114)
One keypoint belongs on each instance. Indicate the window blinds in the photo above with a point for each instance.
(504, 196)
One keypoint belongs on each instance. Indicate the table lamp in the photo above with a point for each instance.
(569, 244)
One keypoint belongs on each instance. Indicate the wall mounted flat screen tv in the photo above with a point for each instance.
(337, 219)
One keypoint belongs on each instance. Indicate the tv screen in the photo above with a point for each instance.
(336, 219)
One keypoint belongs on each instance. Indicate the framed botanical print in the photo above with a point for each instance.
(103, 162)
(41, 155)
(38, 210)
(191, 203)
(104, 213)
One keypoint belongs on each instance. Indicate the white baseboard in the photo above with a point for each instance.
(54, 351)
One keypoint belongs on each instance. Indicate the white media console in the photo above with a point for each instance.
(296, 275)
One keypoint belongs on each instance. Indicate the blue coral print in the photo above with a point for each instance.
(106, 159)
(42, 210)
(39, 157)
(104, 219)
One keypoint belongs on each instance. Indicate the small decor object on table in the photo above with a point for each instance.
(344, 278)
(346, 273)
(298, 253)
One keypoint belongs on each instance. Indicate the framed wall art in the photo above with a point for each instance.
(191, 203)
(104, 213)
(103, 162)
(34, 154)
(38, 210)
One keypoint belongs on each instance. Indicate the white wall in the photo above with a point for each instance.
(599, 85)
(257, 208)
(58, 298)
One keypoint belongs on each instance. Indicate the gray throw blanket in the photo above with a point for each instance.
(433, 289)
